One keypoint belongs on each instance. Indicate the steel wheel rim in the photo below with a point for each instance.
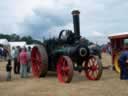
(36, 62)
(92, 68)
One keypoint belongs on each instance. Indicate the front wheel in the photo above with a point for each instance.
(93, 68)
(64, 69)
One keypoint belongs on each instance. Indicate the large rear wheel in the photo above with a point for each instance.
(39, 61)
(64, 69)
(93, 68)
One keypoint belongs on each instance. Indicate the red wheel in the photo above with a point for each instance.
(93, 68)
(64, 69)
(39, 61)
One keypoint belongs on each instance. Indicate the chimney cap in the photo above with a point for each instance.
(75, 12)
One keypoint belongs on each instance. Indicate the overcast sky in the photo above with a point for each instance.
(46, 18)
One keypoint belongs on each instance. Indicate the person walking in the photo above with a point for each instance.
(23, 63)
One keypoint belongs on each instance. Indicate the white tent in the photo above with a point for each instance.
(31, 45)
(18, 43)
(4, 42)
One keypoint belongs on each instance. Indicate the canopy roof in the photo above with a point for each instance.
(118, 35)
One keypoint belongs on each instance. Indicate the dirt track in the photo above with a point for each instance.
(109, 85)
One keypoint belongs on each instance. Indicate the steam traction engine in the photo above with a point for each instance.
(64, 54)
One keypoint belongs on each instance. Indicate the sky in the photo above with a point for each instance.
(46, 18)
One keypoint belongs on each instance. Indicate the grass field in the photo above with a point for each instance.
(109, 85)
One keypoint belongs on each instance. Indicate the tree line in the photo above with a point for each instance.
(15, 37)
(29, 39)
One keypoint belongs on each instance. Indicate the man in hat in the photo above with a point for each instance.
(123, 61)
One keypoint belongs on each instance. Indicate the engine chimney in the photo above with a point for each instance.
(75, 14)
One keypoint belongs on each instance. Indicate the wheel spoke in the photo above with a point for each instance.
(93, 60)
(95, 73)
(65, 69)
(92, 74)
(90, 62)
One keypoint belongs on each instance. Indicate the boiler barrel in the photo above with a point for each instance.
(79, 51)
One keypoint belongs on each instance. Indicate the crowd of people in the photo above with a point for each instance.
(3, 53)
(21, 59)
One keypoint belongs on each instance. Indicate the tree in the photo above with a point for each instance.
(15, 37)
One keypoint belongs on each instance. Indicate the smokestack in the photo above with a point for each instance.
(76, 23)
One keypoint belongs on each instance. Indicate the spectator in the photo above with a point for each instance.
(123, 61)
(23, 63)
(5, 53)
(14, 55)
(18, 62)
(12, 52)
(8, 70)
(29, 59)
(0, 53)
